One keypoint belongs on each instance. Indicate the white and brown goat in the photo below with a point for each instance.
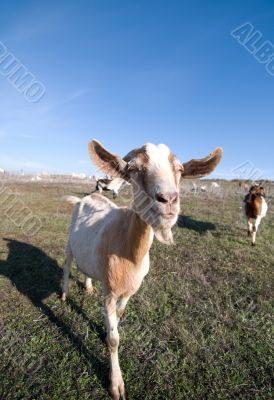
(254, 208)
(111, 244)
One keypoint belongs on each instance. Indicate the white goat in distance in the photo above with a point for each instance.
(109, 184)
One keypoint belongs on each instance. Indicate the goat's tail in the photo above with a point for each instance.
(71, 199)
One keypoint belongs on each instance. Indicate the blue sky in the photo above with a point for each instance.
(131, 72)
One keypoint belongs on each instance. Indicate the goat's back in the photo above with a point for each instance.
(95, 225)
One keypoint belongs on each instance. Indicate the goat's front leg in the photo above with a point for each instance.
(117, 388)
(255, 229)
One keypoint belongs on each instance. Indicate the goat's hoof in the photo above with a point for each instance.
(64, 297)
(118, 391)
(253, 244)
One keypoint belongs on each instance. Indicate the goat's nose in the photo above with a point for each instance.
(167, 197)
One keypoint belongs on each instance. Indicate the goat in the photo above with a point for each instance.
(203, 188)
(111, 244)
(215, 185)
(254, 208)
(113, 185)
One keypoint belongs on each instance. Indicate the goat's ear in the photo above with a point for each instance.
(111, 164)
(199, 168)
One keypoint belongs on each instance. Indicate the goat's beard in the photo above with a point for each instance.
(164, 235)
(161, 227)
(162, 230)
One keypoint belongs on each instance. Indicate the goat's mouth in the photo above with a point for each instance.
(169, 215)
(164, 216)
(160, 218)
(164, 220)
(161, 223)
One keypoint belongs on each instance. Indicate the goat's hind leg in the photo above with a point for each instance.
(66, 271)
(249, 227)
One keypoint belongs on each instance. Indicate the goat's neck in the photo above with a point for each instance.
(139, 239)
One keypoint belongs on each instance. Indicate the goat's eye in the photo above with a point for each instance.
(133, 168)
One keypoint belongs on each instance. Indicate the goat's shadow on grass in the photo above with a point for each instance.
(37, 276)
(185, 221)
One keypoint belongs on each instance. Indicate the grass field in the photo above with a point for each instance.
(201, 326)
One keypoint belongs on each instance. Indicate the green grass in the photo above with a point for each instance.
(201, 326)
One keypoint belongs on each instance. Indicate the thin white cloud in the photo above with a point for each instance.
(26, 136)
(5, 133)
(77, 94)
(68, 99)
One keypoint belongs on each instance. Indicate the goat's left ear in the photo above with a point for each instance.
(111, 164)
(199, 168)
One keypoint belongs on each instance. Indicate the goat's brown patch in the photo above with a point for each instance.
(121, 258)
(253, 205)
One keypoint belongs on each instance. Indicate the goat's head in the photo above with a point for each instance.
(155, 173)
(257, 190)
